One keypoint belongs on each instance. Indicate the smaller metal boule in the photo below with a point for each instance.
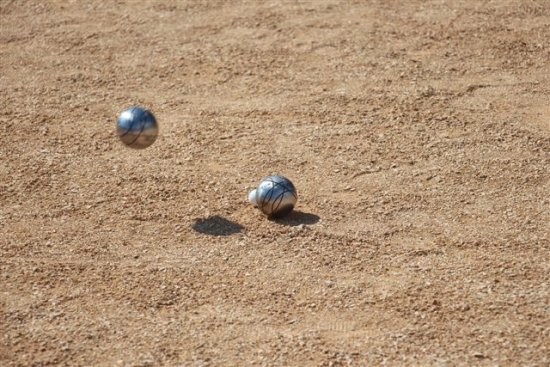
(252, 198)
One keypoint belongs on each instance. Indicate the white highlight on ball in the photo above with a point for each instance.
(126, 115)
(252, 197)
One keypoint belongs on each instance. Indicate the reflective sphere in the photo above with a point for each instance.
(276, 196)
(137, 127)
(252, 198)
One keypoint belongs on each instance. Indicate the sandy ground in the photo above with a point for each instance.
(416, 132)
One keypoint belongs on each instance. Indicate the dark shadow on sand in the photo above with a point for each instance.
(216, 226)
(296, 218)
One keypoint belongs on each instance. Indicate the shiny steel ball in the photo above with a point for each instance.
(275, 196)
(137, 127)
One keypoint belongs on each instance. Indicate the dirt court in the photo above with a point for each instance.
(417, 134)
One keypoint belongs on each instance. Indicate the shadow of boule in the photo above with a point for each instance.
(216, 226)
(296, 218)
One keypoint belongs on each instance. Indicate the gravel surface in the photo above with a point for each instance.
(416, 132)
